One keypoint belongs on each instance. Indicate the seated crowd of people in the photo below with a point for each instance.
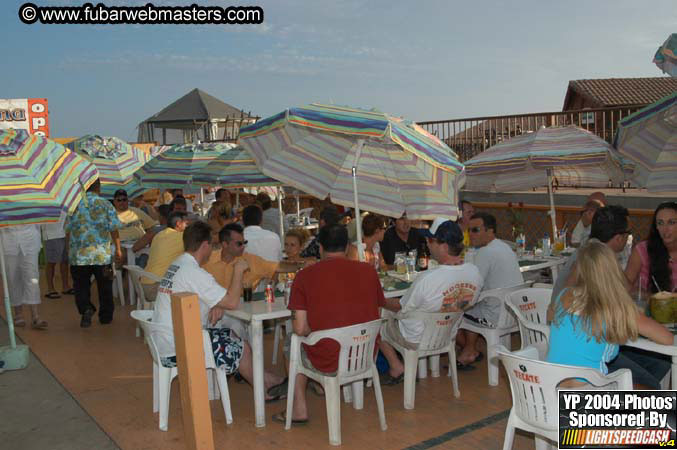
(592, 313)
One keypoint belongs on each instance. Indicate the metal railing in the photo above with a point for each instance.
(470, 136)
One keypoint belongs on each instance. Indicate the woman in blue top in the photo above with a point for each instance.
(596, 315)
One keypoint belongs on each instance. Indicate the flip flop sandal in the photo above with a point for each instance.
(464, 367)
(53, 295)
(278, 391)
(281, 417)
(70, 291)
(19, 323)
(39, 324)
(389, 380)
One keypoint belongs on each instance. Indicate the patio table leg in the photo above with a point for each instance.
(256, 331)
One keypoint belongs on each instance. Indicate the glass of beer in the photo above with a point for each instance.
(247, 291)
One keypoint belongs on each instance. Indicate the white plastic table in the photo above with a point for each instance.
(540, 263)
(255, 313)
(670, 350)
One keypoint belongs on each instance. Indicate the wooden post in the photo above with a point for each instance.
(190, 359)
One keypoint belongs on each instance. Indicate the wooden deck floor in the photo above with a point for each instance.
(108, 371)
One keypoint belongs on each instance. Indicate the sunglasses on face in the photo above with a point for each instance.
(241, 243)
(121, 199)
(475, 229)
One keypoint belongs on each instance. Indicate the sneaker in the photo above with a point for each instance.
(86, 320)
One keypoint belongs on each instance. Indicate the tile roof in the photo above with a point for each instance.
(621, 91)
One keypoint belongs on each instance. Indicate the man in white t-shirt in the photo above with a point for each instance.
(452, 286)
(186, 275)
(260, 242)
(499, 267)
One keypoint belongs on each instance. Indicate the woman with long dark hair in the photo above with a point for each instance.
(654, 261)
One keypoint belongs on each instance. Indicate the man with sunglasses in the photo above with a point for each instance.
(499, 268)
(221, 265)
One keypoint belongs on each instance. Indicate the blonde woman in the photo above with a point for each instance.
(294, 240)
(591, 319)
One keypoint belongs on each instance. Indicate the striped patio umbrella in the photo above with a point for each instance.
(38, 180)
(175, 168)
(666, 56)
(116, 161)
(569, 156)
(648, 138)
(338, 151)
(234, 168)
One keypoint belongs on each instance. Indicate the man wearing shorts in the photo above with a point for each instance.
(54, 238)
(185, 275)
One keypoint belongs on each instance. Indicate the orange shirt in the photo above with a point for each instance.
(222, 271)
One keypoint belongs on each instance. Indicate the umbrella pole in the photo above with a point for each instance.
(298, 208)
(279, 208)
(552, 206)
(14, 357)
(358, 218)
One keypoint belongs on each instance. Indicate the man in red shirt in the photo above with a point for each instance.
(335, 292)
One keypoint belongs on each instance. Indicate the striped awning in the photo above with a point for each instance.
(176, 167)
(39, 179)
(401, 167)
(576, 157)
(648, 138)
(116, 161)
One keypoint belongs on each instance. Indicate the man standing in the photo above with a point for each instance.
(400, 238)
(263, 243)
(21, 246)
(452, 286)
(321, 299)
(499, 268)
(90, 233)
(56, 253)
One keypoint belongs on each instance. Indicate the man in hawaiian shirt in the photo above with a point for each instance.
(90, 233)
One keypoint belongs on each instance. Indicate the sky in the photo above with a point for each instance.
(424, 60)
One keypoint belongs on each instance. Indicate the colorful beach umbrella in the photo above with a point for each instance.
(569, 156)
(666, 56)
(116, 160)
(175, 168)
(234, 168)
(38, 180)
(397, 166)
(648, 138)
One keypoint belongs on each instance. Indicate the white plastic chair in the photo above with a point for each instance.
(530, 306)
(135, 272)
(163, 376)
(501, 334)
(278, 336)
(439, 336)
(355, 363)
(534, 403)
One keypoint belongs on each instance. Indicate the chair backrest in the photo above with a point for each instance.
(505, 320)
(531, 333)
(136, 273)
(533, 385)
(440, 329)
(145, 320)
(357, 346)
(532, 303)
